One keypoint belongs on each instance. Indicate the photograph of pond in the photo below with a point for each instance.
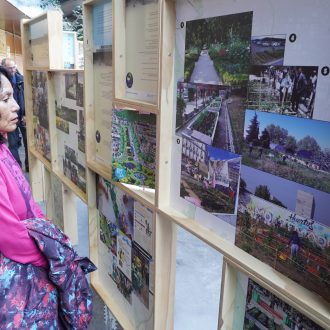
(133, 147)
(295, 149)
(264, 310)
(209, 177)
(288, 90)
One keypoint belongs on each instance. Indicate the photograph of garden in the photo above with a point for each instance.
(293, 245)
(264, 310)
(268, 50)
(133, 147)
(203, 115)
(288, 90)
(217, 49)
(209, 177)
(295, 149)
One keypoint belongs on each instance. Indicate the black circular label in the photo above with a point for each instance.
(293, 37)
(98, 136)
(129, 80)
(325, 70)
(178, 141)
(182, 25)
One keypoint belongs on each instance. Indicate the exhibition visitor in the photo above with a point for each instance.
(14, 140)
(42, 280)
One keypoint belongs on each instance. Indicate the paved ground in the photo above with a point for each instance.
(204, 71)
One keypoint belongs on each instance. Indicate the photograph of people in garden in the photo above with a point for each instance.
(295, 245)
(288, 90)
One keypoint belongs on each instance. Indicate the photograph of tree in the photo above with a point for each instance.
(293, 148)
(217, 49)
(209, 177)
(288, 90)
(268, 50)
(133, 147)
(294, 245)
(264, 310)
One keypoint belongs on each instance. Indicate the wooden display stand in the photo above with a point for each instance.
(111, 81)
(55, 121)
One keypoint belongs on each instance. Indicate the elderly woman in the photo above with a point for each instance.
(42, 280)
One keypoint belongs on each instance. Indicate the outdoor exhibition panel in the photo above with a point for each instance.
(55, 120)
(212, 107)
(206, 115)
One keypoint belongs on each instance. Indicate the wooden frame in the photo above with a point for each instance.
(166, 218)
(60, 198)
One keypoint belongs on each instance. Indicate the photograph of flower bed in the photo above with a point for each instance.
(205, 123)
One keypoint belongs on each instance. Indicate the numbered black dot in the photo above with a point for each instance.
(178, 141)
(182, 25)
(325, 70)
(293, 37)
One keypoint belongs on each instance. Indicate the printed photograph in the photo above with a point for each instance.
(71, 86)
(116, 205)
(40, 97)
(81, 131)
(268, 50)
(292, 244)
(209, 177)
(210, 114)
(302, 200)
(133, 147)
(124, 285)
(42, 140)
(80, 90)
(292, 148)
(288, 90)
(67, 114)
(140, 274)
(124, 255)
(217, 50)
(62, 125)
(264, 310)
(108, 233)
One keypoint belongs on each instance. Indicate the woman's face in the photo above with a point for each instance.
(8, 106)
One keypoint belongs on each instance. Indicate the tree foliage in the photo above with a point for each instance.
(291, 144)
(73, 24)
(265, 139)
(277, 134)
(308, 143)
(252, 133)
